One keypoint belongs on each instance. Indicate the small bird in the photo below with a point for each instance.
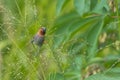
(39, 38)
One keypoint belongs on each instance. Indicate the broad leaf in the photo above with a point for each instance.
(101, 7)
(80, 6)
(59, 6)
(102, 77)
(93, 37)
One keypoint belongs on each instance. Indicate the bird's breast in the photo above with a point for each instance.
(38, 40)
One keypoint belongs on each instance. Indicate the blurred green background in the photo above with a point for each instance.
(82, 40)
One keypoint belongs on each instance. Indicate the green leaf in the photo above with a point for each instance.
(65, 18)
(87, 5)
(80, 6)
(72, 75)
(61, 28)
(59, 6)
(93, 37)
(102, 77)
(69, 28)
(55, 76)
(93, 4)
(114, 70)
(101, 7)
(111, 57)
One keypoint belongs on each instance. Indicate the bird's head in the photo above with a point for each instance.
(42, 31)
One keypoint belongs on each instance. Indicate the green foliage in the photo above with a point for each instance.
(113, 74)
(82, 6)
(82, 40)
